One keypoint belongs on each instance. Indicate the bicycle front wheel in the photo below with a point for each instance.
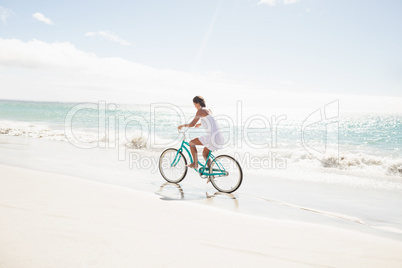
(230, 174)
(172, 165)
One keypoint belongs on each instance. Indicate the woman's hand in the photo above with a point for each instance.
(198, 125)
(180, 127)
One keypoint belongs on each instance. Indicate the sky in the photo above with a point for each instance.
(255, 50)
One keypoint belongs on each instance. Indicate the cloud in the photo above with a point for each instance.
(58, 71)
(274, 2)
(4, 14)
(109, 36)
(42, 18)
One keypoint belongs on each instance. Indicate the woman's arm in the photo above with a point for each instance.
(192, 123)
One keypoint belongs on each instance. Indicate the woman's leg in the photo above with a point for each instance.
(205, 155)
(193, 150)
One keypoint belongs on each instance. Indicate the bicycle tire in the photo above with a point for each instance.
(224, 183)
(172, 174)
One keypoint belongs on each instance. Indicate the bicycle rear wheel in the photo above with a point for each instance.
(172, 165)
(232, 176)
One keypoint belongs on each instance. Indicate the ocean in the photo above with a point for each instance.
(357, 149)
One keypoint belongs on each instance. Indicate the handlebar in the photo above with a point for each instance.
(183, 132)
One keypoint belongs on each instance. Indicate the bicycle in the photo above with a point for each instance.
(224, 172)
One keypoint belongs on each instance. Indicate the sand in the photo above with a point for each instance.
(51, 220)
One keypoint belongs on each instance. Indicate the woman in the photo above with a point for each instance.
(213, 140)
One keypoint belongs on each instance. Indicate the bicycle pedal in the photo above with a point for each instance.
(203, 176)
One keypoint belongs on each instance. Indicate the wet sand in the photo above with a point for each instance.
(52, 220)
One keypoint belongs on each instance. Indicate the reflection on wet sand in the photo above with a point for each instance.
(170, 191)
(173, 191)
(222, 196)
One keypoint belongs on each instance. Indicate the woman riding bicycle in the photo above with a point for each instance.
(213, 140)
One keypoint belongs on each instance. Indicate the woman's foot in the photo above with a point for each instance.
(209, 164)
(210, 178)
(192, 165)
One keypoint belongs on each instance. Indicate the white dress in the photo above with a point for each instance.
(213, 140)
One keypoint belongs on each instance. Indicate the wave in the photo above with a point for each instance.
(362, 170)
(395, 168)
(27, 129)
(136, 140)
(353, 162)
(348, 162)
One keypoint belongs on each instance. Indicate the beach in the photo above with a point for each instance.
(296, 103)
(52, 220)
(68, 205)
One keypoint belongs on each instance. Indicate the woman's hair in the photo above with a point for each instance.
(200, 100)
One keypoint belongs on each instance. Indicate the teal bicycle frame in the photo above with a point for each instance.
(219, 171)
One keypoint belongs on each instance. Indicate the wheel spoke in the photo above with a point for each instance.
(230, 182)
(172, 173)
